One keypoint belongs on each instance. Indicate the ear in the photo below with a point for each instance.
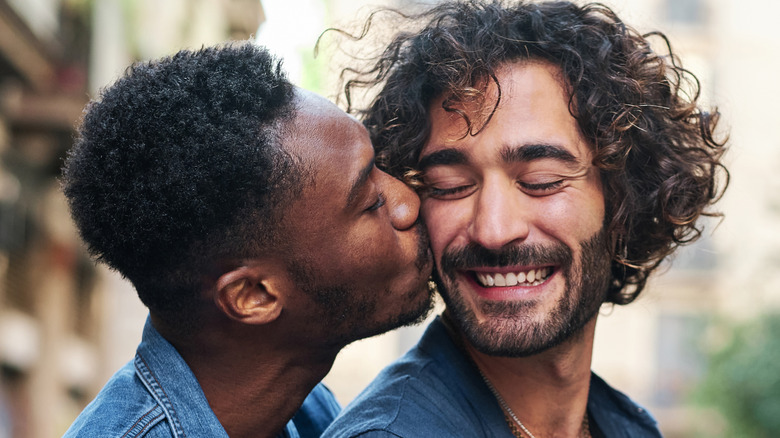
(250, 294)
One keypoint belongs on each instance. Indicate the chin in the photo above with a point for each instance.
(372, 324)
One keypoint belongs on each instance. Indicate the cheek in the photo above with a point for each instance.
(579, 216)
(441, 221)
(592, 206)
(372, 245)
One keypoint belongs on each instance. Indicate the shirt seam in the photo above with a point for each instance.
(150, 423)
(166, 404)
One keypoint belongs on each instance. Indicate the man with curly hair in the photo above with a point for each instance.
(251, 219)
(559, 159)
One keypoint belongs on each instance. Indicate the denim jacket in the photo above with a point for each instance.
(156, 395)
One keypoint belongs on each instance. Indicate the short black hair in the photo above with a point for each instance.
(659, 157)
(179, 166)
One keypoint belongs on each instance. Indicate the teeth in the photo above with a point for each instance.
(533, 277)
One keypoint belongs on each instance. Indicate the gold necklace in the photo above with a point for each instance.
(513, 422)
(509, 415)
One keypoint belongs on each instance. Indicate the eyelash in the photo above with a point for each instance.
(543, 187)
(540, 189)
(378, 204)
(433, 191)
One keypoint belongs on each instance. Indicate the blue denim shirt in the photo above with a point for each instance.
(435, 391)
(156, 395)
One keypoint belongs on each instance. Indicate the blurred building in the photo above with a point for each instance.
(65, 326)
(44, 278)
(656, 348)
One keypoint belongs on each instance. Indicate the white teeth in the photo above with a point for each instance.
(532, 277)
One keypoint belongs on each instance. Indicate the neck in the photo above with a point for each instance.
(254, 382)
(548, 392)
(261, 405)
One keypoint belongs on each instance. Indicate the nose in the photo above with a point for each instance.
(403, 204)
(499, 217)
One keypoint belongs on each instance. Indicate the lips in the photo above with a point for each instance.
(531, 277)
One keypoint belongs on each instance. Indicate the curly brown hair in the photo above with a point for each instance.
(659, 157)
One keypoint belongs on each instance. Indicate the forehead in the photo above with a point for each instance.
(335, 149)
(533, 108)
(327, 139)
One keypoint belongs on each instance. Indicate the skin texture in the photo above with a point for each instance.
(371, 256)
(252, 222)
(438, 121)
(344, 270)
(521, 195)
(496, 197)
(657, 147)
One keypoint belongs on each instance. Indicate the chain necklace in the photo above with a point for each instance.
(508, 412)
(512, 419)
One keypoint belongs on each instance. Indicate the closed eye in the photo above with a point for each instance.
(541, 189)
(449, 193)
(378, 204)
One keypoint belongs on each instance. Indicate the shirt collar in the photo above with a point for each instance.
(444, 345)
(171, 382)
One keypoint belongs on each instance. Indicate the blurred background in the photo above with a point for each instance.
(700, 348)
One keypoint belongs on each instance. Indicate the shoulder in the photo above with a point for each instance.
(427, 392)
(401, 398)
(317, 412)
(616, 414)
(122, 408)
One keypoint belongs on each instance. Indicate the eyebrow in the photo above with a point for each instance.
(442, 157)
(360, 182)
(530, 152)
(509, 154)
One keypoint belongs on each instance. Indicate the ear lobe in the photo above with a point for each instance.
(246, 295)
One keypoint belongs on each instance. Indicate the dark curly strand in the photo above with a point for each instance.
(659, 159)
(178, 164)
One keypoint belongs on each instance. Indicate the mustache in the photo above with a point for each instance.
(475, 255)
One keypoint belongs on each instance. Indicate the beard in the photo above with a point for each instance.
(349, 314)
(515, 328)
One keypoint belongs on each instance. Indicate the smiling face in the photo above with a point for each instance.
(515, 216)
(355, 246)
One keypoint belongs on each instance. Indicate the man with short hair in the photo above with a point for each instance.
(251, 219)
(559, 161)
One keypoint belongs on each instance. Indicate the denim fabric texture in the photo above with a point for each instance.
(156, 395)
(435, 391)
